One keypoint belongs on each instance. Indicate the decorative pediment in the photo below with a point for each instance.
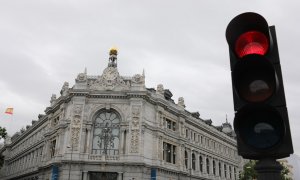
(110, 80)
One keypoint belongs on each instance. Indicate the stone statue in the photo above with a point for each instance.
(53, 99)
(181, 102)
(160, 89)
(65, 89)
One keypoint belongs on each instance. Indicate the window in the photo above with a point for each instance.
(193, 162)
(220, 171)
(186, 133)
(201, 163)
(230, 172)
(169, 153)
(214, 167)
(207, 165)
(171, 124)
(55, 120)
(106, 133)
(225, 170)
(234, 171)
(52, 148)
(186, 159)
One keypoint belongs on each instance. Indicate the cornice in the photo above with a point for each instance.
(29, 131)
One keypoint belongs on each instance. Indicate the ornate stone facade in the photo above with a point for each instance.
(113, 127)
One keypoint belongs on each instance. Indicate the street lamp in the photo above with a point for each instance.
(71, 159)
(107, 138)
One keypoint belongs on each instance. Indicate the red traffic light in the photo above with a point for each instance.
(251, 42)
(247, 34)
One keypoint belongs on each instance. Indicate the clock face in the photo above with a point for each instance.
(110, 74)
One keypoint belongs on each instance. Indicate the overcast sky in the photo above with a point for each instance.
(180, 44)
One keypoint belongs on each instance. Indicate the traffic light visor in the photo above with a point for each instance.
(254, 79)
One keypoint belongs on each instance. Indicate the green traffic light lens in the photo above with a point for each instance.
(259, 127)
(254, 79)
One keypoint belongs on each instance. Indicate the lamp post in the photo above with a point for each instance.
(106, 138)
(71, 159)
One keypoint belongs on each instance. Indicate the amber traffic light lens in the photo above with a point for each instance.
(260, 127)
(255, 79)
(251, 42)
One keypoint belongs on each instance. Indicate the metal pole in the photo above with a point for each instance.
(191, 164)
(268, 169)
(70, 161)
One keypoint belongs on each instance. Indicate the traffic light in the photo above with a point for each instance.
(261, 120)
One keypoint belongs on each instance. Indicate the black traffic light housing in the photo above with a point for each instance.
(261, 119)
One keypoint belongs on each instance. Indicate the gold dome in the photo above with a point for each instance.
(113, 51)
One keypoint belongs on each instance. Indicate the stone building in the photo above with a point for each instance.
(112, 127)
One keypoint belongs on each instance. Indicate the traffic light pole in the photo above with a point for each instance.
(267, 169)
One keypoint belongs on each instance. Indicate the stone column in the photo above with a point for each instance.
(120, 174)
(211, 166)
(85, 175)
(217, 168)
(83, 139)
(121, 142)
(222, 170)
(191, 161)
(204, 164)
(179, 157)
(197, 162)
(89, 129)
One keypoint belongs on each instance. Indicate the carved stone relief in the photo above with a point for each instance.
(81, 77)
(110, 80)
(138, 79)
(135, 129)
(160, 147)
(76, 126)
(135, 133)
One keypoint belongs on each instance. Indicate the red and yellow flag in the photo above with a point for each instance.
(9, 111)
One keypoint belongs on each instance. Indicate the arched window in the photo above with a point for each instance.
(193, 161)
(106, 133)
(186, 159)
(207, 165)
(201, 163)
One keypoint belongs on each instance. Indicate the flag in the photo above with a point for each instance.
(9, 111)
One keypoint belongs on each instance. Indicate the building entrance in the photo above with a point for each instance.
(103, 176)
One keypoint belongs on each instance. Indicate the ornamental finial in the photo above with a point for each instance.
(113, 51)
